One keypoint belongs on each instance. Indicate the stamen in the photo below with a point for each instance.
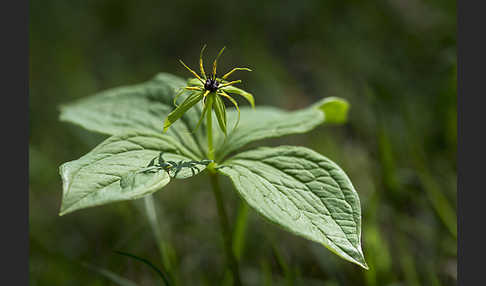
(230, 83)
(233, 70)
(193, 72)
(201, 62)
(215, 63)
(224, 94)
(193, 88)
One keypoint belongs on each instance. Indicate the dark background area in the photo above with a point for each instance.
(394, 61)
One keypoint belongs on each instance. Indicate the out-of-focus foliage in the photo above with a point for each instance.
(394, 61)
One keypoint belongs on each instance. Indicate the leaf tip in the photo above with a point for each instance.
(362, 263)
(335, 109)
(360, 260)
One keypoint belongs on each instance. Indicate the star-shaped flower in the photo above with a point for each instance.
(210, 89)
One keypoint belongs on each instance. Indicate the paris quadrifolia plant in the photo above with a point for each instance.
(163, 130)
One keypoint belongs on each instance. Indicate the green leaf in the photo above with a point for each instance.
(182, 109)
(143, 107)
(335, 109)
(185, 168)
(270, 122)
(220, 111)
(94, 179)
(146, 180)
(136, 108)
(304, 192)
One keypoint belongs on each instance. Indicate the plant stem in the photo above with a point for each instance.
(225, 229)
(223, 218)
(209, 126)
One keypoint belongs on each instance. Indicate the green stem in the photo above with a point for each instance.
(209, 126)
(223, 220)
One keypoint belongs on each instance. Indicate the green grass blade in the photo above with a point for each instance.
(151, 212)
(240, 229)
(113, 277)
(287, 271)
(266, 271)
(439, 201)
(166, 281)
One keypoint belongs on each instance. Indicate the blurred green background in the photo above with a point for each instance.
(394, 61)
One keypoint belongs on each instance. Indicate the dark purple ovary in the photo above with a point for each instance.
(211, 85)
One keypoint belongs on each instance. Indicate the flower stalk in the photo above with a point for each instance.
(210, 90)
(225, 229)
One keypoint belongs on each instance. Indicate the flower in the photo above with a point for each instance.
(210, 89)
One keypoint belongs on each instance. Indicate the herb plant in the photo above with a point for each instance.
(293, 187)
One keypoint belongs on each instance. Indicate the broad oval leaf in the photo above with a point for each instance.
(144, 181)
(178, 167)
(137, 108)
(94, 179)
(304, 192)
(271, 122)
(143, 107)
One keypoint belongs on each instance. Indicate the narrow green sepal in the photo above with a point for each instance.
(203, 114)
(224, 94)
(220, 111)
(181, 109)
